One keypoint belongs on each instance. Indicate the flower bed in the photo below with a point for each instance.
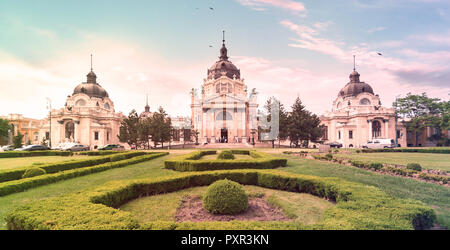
(357, 206)
(193, 161)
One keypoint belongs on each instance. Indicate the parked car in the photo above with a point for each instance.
(334, 144)
(33, 148)
(75, 147)
(112, 147)
(8, 148)
(380, 143)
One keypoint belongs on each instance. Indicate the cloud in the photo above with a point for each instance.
(259, 5)
(376, 29)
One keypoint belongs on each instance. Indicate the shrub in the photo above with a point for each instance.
(32, 172)
(328, 157)
(13, 154)
(225, 155)
(117, 157)
(358, 151)
(414, 166)
(225, 197)
(376, 166)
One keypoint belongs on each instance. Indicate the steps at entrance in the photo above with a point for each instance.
(226, 145)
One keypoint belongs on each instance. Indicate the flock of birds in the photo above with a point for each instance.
(211, 8)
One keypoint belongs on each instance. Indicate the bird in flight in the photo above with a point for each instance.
(379, 54)
(211, 8)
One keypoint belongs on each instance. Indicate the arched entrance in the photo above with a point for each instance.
(70, 130)
(376, 129)
(224, 135)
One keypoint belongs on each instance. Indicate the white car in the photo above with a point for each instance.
(380, 143)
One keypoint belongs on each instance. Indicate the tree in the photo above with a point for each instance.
(422, 112)
(303, 126)
(129, 129)
(5, 127)
(145, 127)
(17, 140)
(161, 127)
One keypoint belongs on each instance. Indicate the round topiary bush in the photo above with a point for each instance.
(225, 197)
(414, 166)
(33, 172)
(225, 155)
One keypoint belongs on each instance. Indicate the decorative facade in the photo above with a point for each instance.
(357, 116)
(88, 117)
(225, 112)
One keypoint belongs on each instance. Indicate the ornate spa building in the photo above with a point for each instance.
(357, 116)
(224, 112)
(88, 117)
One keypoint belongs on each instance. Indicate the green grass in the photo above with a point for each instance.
(153, 168)
(304, 208)
(429, 161)
(9, 163)
(236, 157)
(436, 196)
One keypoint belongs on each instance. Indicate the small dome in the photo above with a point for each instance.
(355, 86)
(91, 87)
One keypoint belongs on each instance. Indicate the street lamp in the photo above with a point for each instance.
(396, 118)
(49, 107)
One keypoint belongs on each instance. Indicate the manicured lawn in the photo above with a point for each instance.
(429, 161)
(8, 163)
(304, 208)
(436, 196)
(153, 168)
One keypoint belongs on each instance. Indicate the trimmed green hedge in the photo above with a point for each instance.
(193, 162)
(16, 173)
(358, 206)
(100, 152)
(225, 155)
(24, 184)
(13, 154)
(409, 150)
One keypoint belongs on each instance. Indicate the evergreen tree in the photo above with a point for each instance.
(17, 140)
(129, 129)
(4, 128)
(303, 126)
(161, 127)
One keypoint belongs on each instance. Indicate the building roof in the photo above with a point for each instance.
(223, 65)
(91, 87)
(355, 86)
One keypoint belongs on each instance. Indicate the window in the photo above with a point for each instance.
(350, 134)
(80, 103)
(96, 136)
(36, 136)
(364, 101)
(325, 133)
(107, 136)
(398, 134)
(47, 135)
(107, 106)
(339, 135)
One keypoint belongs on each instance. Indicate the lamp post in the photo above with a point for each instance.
(396, 118)
(49, 107)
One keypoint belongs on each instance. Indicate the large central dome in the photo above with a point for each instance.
(355, 86)
(223, 65)
(91, 87)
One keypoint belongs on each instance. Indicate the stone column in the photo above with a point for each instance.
(386, 128)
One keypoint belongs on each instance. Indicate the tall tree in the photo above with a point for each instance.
(5, 127)
(145, 131)
(303, 126)
(129, 129)
(17, 140)
(421, 112)
(161, 127)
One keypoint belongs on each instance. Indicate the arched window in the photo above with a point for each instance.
(218, 88)
(107, 106)
(80, 103)
(70, 130)
(364, 101)
(224, 116)
(376, 129)
(36, 136)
